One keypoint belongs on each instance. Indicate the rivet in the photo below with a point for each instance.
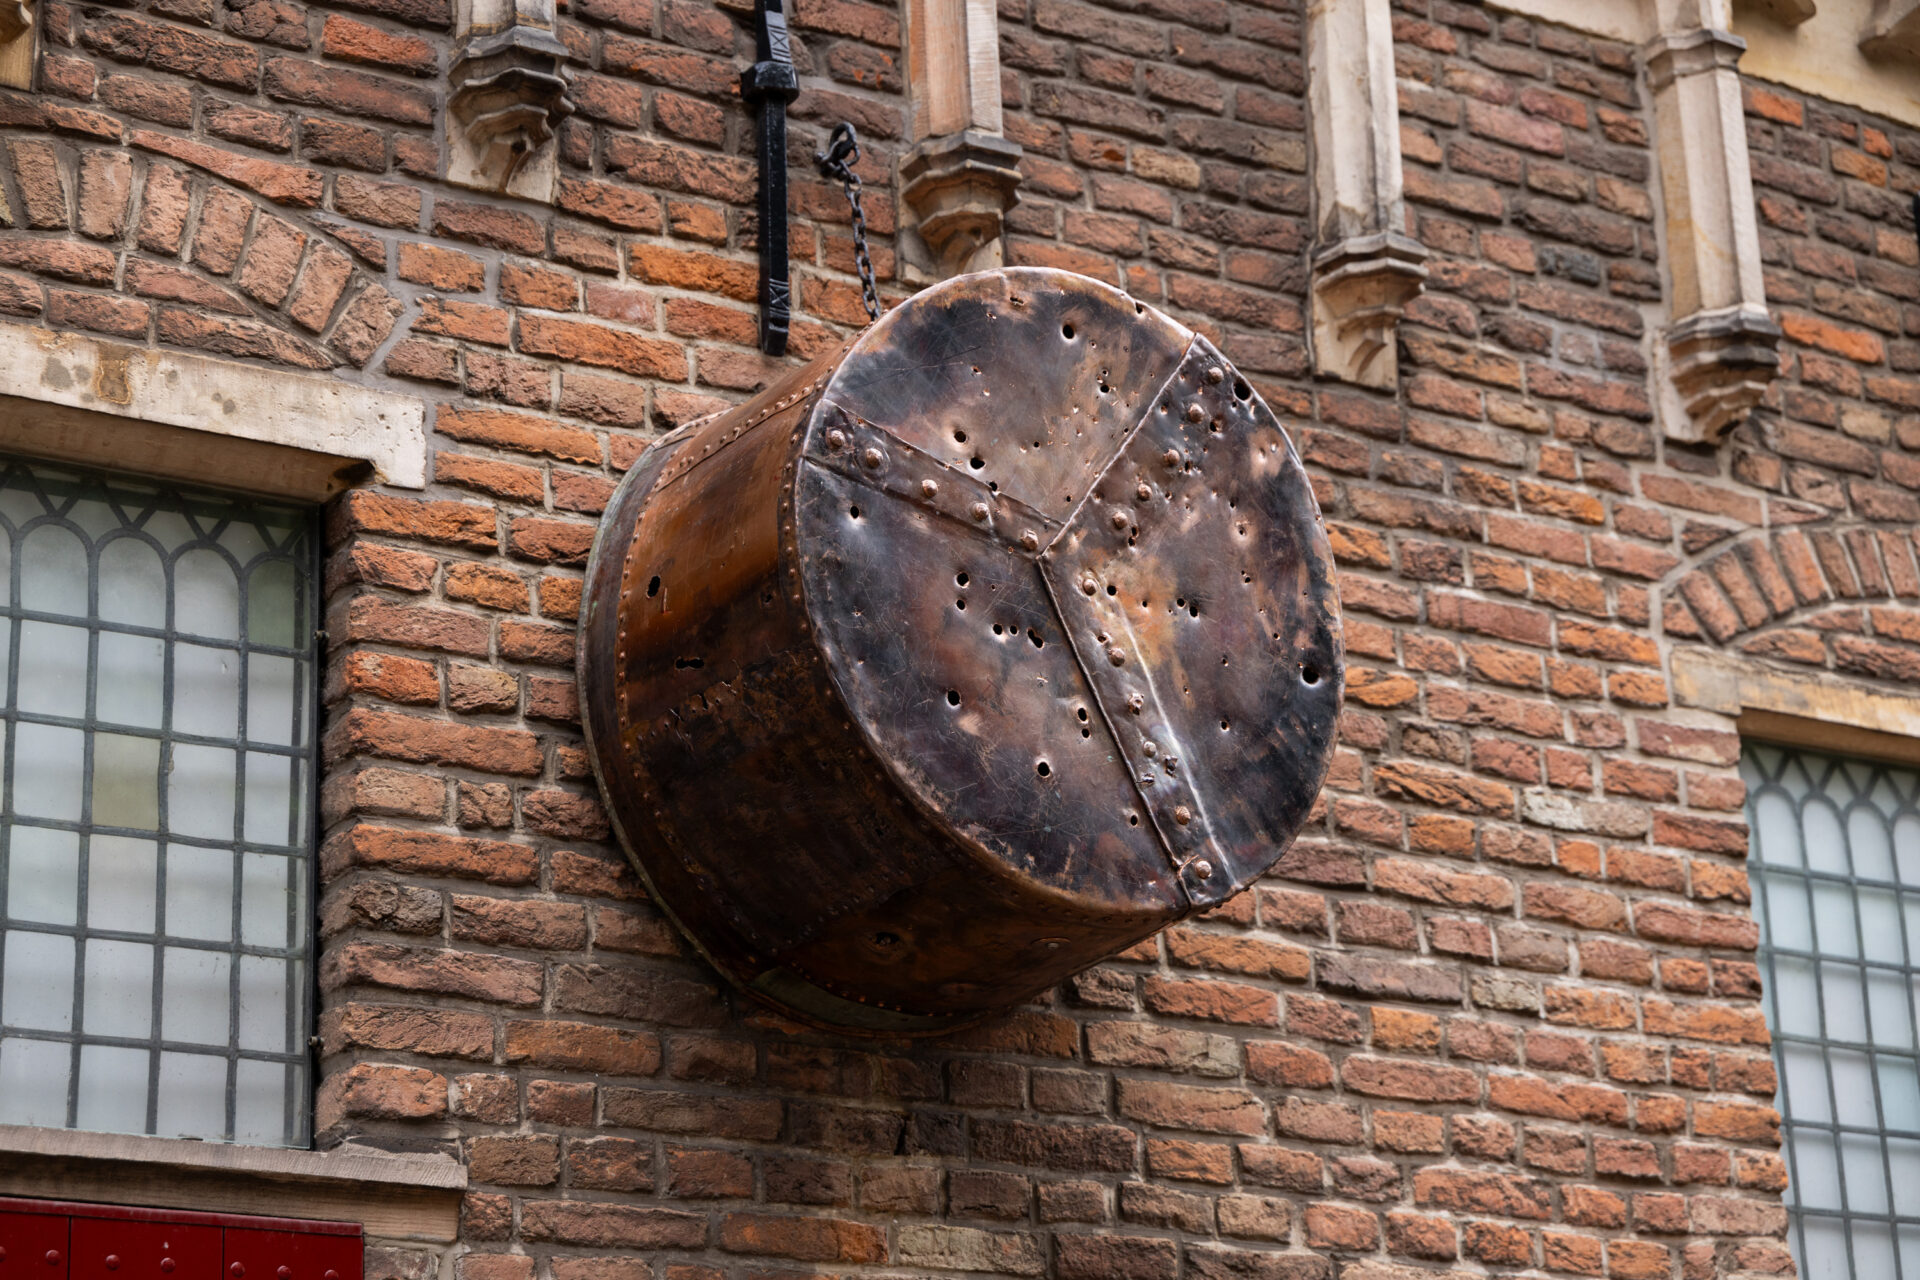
(1030, 540)
(53, 1257)
(1143, 492)
(237, 1270)
(285, 1273)
(1182, 815)
(872, 456)
(1195, 413)
(1089, 586)
(1202, 869)
(1214, 375)
(113, 1262)
(1135, 704)
(979, 511)
(1117, 656)
(1149, 749)
(836, 440)
(929, 487)
(166, 1264)
(1170, 458)
(1118, 519)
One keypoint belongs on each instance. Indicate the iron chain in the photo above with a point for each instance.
(837, 161)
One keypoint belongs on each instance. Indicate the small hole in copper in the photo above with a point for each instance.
(961, 436)
(653, 587)
(1112, 590)
(1133, 819)
(953, 697)
(854, 512)
(1309, 674)
(1082, 713)
(684, 664)
(960, 604)
(1039, 641)
(1043, 768)
(961, 578)
(1241, 389)
(976, 462)
(1066, 331)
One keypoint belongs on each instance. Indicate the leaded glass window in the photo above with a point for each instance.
(1836, 878)
(156, 771)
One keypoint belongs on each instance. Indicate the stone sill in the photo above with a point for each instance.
(393, 1197)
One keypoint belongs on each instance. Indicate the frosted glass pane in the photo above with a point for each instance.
(1872, 1248)
(206, 596)
(273, 684)
(1846, 1012)
(130, 688)
(1789, 925)
(193, 1096)
(53, 572)
(47, 772)
(53, 669)
(1853, 1088)
(1818, 1165)
(37, 994)
(1906, 848)
(199, 893)
(271, 901)
(121, 883)
(1833, 920)
(1905, 1155)
(1796, 998)
(1825, 836)
(126, 781)
(33, 1082)
(133, 584)
(271, 812)
(113, 1089)
(1776, 830)
(1880, 925)
(265, 988)
(244, 540)
(206, 691)
(1806, 1082)
(1899, 1096)
(200, 792)
(1890, 1008)
(273, 605)
(1866, 1179)
(260, 1095)
(194, 996)
(118, 998)
(43, 875)
(1871, 845)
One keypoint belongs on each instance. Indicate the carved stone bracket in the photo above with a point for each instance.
(1360, 288)
(1788, 13)
(1365, 267)
(1721, 363)
(16, 43)
(1893, 31)
(960, 188)
(509, 96)
(1720, 346)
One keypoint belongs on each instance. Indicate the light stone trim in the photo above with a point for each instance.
(1893, 32)
(1720, 350)
(187, 417)
(1365, 268)
(394, 1196)
(509, 96)
(1822, 711)
(17, 42)
(962, 175)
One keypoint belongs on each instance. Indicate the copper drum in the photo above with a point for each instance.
(964, 657)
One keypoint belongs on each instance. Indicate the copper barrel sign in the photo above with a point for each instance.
(964, 657)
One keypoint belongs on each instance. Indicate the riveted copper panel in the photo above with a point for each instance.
(964, 657)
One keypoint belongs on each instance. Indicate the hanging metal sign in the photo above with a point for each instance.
(964, 657)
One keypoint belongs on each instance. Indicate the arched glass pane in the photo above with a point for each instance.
(133, 584)
(206, 596)
(53, 571)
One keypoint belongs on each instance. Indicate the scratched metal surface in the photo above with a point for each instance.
(962, 658)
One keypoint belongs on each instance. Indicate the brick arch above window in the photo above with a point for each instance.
(1793, 580)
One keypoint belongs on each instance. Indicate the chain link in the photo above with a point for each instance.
(837, 161)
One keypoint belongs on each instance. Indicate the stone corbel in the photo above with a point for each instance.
(959, 188)
(16, 43)
(1366, 269)
(509, 96)
(962, 174)
(1720, 349)
(1788, 13)
(1893, 31)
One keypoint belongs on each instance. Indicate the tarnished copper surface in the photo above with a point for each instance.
(964, 657)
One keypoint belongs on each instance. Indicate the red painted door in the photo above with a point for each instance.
(131, 1249)
(33, 1246)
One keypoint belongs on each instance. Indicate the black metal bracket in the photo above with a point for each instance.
(769, 85)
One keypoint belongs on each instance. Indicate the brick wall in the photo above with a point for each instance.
(1496, 1010)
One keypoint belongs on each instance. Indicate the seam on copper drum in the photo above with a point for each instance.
(863, 451)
